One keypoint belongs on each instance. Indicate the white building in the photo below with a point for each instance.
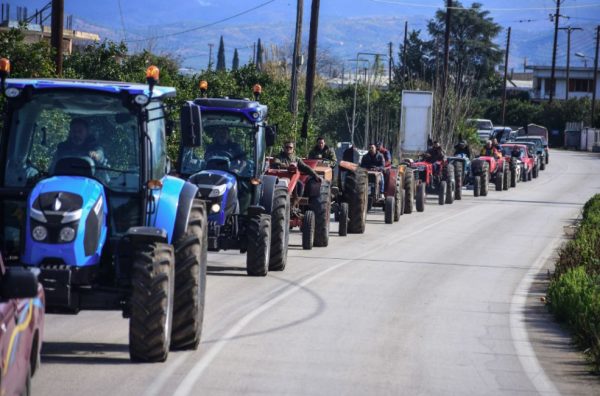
(581, 81)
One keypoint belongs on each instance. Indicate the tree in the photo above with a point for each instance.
(28, 60)
(236, 61)
(221, 56)
(473, 54)
(259, 56)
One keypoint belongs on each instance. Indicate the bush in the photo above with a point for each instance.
(574, 292)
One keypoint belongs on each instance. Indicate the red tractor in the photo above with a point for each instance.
(489, 169)
(310, 202)
(438, 178)
(389, 196)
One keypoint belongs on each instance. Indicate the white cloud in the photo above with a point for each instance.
(203, 3)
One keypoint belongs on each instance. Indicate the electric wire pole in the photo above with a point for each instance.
(595, 86)
(447, 47)
(552, 80)
(56, 39)
(569, 29)
(311, 66)
(296, 62)
(404, 67)
(505, 75)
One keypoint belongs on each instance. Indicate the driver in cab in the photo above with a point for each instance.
(223, 144)
(80, 143)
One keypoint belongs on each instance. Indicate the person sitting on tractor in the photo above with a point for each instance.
(515, 152)
(435, 153)
(80, 143)
(387, 156)
(351, 154)
(490, 151)
(462, 148)
(323, 152)
(223, 144)
(373, 160)
(287, 157)
(495, 144)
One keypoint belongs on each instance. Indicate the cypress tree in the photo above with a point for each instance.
(221, 56)
(259, 58)
(236, 61)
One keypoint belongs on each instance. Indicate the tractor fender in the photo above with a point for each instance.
(269, 183)
(166, 200)
(184, 207)
(146, 234)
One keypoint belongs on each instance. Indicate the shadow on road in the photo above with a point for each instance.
(84, 353)
(216, 270)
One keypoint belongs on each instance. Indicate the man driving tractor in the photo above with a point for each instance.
(373, 160)
(490, 151)
(323, 152)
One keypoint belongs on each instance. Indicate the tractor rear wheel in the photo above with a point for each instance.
(420, 199)
(308, 230)
(398, 195)
(389, 210)
(442, 190)
(190, 280)
(409, 191)
(152, 290)
(476, 186)
(322, 209)
(280, 229)
(259, 245)
(506, 183)
(499, 180)
(451, 187)
(356, 189)
(343, 219)
(458, 175)
(513, 178)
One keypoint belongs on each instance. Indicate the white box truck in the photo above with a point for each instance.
(415, 121)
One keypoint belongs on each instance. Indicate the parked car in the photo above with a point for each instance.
(541, 148)
(529, 161)
(484, 127)
(22, 322)
(503, 134)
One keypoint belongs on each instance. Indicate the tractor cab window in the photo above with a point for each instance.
(228, 145)
(61, 124)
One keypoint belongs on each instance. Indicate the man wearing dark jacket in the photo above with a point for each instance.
(80, 143)
(373, 159)
(322, 152)
(287, 157)
(462, 148)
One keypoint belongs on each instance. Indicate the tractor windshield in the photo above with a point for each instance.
(229, 144)
(56, 124)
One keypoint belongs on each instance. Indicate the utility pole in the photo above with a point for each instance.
(505, 71)
(552, 81)
(296, 62)
(404, 67)
(58, 14)
(595, 76)
(390, 63)
(210, 47)
(447, 46)
(311, 66)
(569, 29)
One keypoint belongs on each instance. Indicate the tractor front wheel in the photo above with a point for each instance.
(389, 210)
(499, 180)
(420, 199)
(280, 229)
(322, 209)
(356, 190)
(458, 174)
(343, 219)
(308, 230)
(513, 178)
(398, 195)
(153, 286)
(442, 189)
(259, 245)
(476, 186)
(409, 191)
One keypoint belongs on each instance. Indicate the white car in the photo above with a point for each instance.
(484, 127)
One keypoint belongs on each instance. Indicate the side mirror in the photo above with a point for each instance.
(270, 135)
(191, 125)
(18, 283)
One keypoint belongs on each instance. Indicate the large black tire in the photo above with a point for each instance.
(506, 182)
(450, 188)
(525, 175)
(388, 209)
(547, 157)
(398, 198)
(536, 172)
(485, 180)
(543, 164)
(322, 209)
(259, 245)
(409, 190)
(280, 229)
(420, 198)
(513, 178)
(190, 280)
(476, 186)
(499, 180)
(152, 292)
(356, 189)
(442, 190)
(458, 175)
(343, 219)
(308, 230)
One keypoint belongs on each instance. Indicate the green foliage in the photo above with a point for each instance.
(574, 292)
(27, 59)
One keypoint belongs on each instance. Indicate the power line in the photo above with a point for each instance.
(249, 10)
(403, 3)
(122, 21)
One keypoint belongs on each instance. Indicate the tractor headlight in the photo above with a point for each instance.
(67, 234)
(39, 233)
(215, 208)
(217, 191)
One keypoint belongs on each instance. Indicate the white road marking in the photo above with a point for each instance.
(518, 328)
(186, 387)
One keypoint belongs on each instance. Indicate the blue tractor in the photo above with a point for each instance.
(247, 209)
(86, 201)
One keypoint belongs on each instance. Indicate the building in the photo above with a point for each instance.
(581, 81)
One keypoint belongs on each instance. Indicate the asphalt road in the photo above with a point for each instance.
(441, 303)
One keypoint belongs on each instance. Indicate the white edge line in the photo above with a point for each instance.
(186, 387)
(518, 328)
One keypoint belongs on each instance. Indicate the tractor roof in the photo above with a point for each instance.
(253, 110)
(103, 86)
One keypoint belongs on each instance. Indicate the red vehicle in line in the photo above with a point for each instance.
(22, 322)
(526, 158)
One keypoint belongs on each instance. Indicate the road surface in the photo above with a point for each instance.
(441, 303)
